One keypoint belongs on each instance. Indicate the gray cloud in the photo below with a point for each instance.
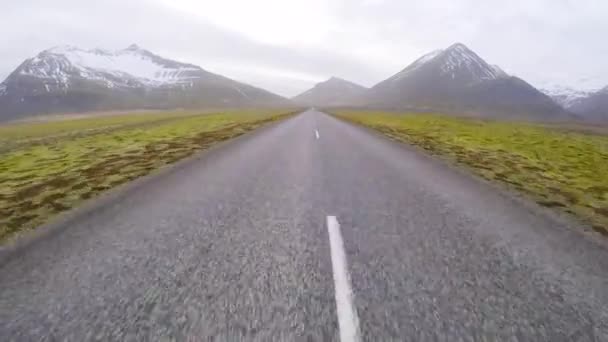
(542, 41)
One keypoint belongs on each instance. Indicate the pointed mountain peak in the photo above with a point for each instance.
(457, 63)
(461, 52)
(335, 81)
(458, 80)
(334, 91)
(455, 66)
(459, 59)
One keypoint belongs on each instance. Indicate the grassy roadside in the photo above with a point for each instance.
(13, 136)
(49, 167)
(556, 166)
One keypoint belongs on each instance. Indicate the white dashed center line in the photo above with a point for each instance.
(347, 314)
(317, 133)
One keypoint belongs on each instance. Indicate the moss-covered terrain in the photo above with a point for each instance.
(555, 165)
(49, 167)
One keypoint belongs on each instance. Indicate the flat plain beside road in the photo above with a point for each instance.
(50, 166)
(310, 229)
(561, 166)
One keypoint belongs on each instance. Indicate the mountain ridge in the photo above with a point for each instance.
(68, 78)
(566, 96)
(455, 79)
(593, 107)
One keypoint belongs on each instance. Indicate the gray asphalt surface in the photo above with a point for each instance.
(234, 246)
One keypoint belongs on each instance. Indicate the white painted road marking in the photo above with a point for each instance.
(347, 314)
(317, 133)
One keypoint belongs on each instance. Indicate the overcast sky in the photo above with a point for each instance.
(288, 45)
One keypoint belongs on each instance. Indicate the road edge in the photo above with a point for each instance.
(30, 238)
(573, 223)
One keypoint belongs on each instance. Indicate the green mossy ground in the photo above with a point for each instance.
(553, 164)
(49, 167)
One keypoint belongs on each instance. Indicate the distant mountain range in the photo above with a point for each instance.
(453, 80)
(456, 79)
(69, 79)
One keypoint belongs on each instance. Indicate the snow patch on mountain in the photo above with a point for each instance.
(567, 96)
(60, 63)
(417, 64)
(427, 57)
(454, 60)
(459, 56)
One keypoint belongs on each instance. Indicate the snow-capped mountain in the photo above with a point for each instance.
(332, 92)
(592, 107)
(457, 62)
(566, 96)
(130, 67)
(68, 78)
(458, 80)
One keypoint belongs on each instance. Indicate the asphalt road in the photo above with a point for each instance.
(235, 245)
